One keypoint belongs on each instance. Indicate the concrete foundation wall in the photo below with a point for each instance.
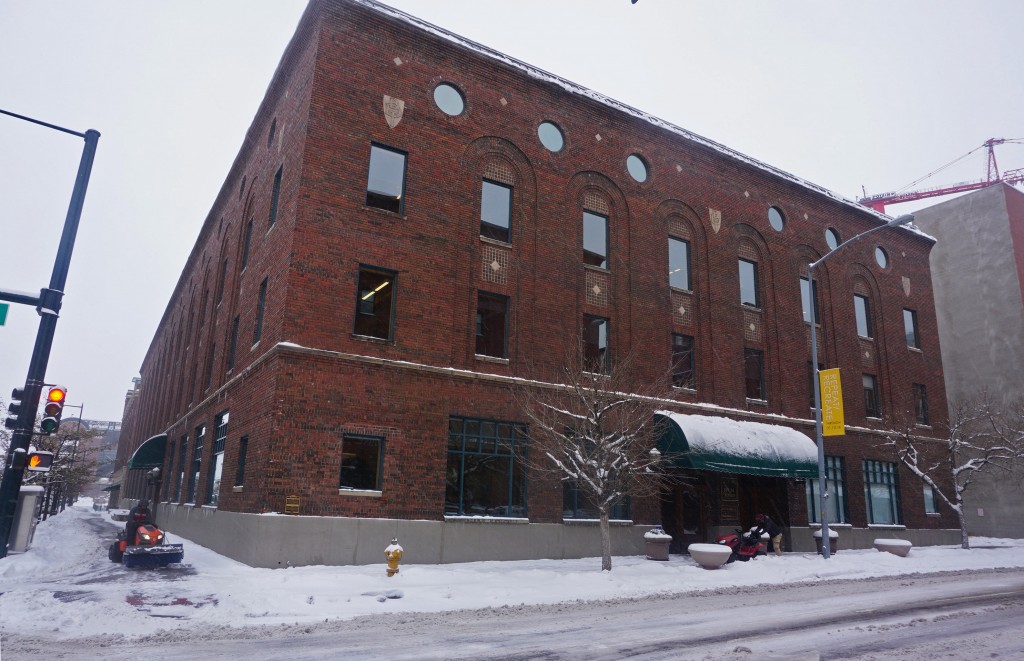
(863, 538)
(274, 541)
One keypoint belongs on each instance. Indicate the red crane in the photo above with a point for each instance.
(878, 202)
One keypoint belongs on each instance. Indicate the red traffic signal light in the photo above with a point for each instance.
(53, 409)
(39, 461)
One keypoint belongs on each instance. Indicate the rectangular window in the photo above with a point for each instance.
(496, 211)
(220, 435)
(872, 407)
(179, 479)
(750, 293)
(197, 461)
(385, 184)
(805, 301)
(753, 370)
(812, 386)
(678, 263)
(246, 244)
(486, 470)
(167, 484)
(881, 492)
(931, 500)
(209, 365)
(921, 404)
(595, 239)
(233, 345)
(492, 325)
(577, 504)
(260, 304)
(910, 328)
(243, 449)
(275, 196)
(375, 303)
(862, 309)
(220, 284)
(835, 503)
(362, 462)
(682, 361)
(595, 344)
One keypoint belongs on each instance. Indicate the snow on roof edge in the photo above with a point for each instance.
(575, 88)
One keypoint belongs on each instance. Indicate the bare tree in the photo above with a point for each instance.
(596, 430)
(982, 438)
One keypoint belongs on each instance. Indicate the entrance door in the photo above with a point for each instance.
(682, 515)
(764, 495)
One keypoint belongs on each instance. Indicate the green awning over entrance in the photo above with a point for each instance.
(734, 446)
(150, 454)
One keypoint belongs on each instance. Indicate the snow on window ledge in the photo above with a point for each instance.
(484, 519)
(594, 522)
(237, 489)
(491, 359)
(886, 526)
(366, 493)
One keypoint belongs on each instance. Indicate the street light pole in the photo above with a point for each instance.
(48, 306)
(822, 512)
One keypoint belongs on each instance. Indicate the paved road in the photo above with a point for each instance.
(963, 615)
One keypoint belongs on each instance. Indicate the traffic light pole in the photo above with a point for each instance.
(48, 305)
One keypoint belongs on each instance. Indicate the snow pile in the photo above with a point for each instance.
(66, 585)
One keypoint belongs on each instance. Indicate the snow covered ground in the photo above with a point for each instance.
(65, 587)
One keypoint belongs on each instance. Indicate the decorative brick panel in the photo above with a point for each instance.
(499, 171)
(748, 251)
(595, 201)
(752, 326)
(867, 353)
(494, 264)
(682, 309)
(597, 288)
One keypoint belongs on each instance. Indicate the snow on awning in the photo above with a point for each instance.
(150, 454)
(734, 446)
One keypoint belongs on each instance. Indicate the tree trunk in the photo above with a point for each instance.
(606, 541)
(965, 541)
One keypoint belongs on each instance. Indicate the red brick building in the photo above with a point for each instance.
(412, 222)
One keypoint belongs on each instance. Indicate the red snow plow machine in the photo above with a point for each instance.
(148, 549)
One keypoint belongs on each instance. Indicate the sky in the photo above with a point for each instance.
(76, 591)
(859, 96)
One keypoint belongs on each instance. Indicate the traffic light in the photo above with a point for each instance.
(52, 409)
(39, 461)
(14, 408)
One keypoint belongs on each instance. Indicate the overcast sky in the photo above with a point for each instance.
(874, 93)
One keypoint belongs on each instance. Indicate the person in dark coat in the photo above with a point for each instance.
(766, 525)
(137, 516)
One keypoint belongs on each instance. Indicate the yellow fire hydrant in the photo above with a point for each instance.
(394, 554)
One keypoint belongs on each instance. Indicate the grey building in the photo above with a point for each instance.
(978, 277)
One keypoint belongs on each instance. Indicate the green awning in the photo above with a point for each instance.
(150, 454)
(734, 446)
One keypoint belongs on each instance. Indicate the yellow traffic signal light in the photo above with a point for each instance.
(53, 409)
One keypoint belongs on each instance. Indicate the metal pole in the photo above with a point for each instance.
(826, 542)
(822, 512)
(48, 308)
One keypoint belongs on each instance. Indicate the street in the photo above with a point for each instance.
(65, 600)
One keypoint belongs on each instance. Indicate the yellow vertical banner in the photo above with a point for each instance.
(832, 423)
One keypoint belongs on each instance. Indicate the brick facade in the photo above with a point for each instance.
(310, 379)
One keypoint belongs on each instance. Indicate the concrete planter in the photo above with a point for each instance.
(709, 556)
(900, 547)
(833, 541)
(656, 543)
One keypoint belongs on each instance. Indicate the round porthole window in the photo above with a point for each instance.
(882, 257)
(449, 99)
(775, 219)
(832, 238)
(551, 136)
(637, 168)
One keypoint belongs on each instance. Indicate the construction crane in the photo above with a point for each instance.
(1012, 177)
